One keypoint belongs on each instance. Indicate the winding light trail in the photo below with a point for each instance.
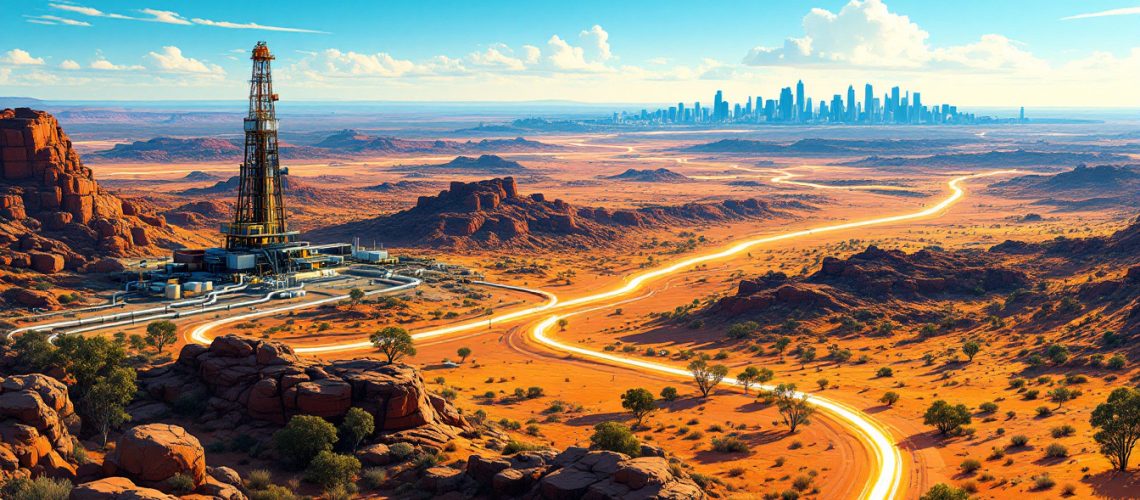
(885, 483)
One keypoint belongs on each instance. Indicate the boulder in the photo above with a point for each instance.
(153, 453)
(37, 425)
(116, 488)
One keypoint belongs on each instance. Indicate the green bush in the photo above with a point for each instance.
(615, 436)
(513, 447)
(374, 478)
(729, 444)
(303, 438)
(401, 451)
(258, 479)
(329, 469)
(970, 465)
(1019, 441)
(669, 393)
(40, 488)
(180, 483)
(1056, 450)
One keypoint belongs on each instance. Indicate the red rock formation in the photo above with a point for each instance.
(151, 454)
(37, 422)
(50, 203)
(252, 379)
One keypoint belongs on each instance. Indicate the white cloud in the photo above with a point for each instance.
(251, 26)
(1126, 11)
(56, 20)
(531, 54)
(20, 57)
(991, 52)
(562, 56)
(104, 65)
(171, 60)
(597, 43)
(165, 16)
(499, 56)
(69, 64)
(335, 63)
(87, 11)
(863, 33)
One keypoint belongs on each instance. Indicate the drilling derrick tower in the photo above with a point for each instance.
(259, 218)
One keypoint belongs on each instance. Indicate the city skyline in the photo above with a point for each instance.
(1039, 54)
(897, 106)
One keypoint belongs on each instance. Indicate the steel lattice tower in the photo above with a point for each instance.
(259, 217)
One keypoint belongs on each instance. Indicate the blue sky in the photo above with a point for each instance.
(970, 52)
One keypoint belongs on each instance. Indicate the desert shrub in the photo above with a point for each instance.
(942, 491)
(1019, 441)
(374, 478)
(258, 479)
(970, 465)
(180, 483)
(401, 451)
(40, 488)
(669, 393)
(988, 407)
(1063, 431)
(729, 444)
(885, 371)
(801, 483)
(329, 469)
(1056, 450)
(615, 436)
(1043, 482)
(513, 447)
(1116, 362)
(534, 392)
(273, 492)
(1044, 411)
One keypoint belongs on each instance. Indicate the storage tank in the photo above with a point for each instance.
(173, 291)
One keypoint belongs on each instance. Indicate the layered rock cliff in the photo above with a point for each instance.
(53, 214)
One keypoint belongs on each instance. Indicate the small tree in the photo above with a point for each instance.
(329, 469)
(562, 322)
(639, 402)
(355, 296)
(669, 393)
(463, 352)
(794, 411)
(303, 438)
(971, 348)
(615, 436)
(889, 398)
(394, 342)
(136, 342)
(747, 377)
(161, 334)
(357, 425)
(822, 383)
(1118, 424)
(707, 377)
(105, 404)
(1062, 394)
(945, 417)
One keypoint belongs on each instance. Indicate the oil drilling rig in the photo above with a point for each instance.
(258, 240)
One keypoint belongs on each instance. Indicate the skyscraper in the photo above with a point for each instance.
(852, 109)
(894, 105)
(800, 101)
(787, 107)
(717, 102)
(868, 104)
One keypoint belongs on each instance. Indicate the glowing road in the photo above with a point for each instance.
(886, 481)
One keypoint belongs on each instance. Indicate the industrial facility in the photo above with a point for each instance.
(258, 242)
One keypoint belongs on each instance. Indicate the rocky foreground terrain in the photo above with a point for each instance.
(248, 389)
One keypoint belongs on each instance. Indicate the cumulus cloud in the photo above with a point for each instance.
(103, 64)
(497, 56)
(335, 63)
(992, 52)
(863, 33)
(20, 57)
(69, 64)
(171, 60)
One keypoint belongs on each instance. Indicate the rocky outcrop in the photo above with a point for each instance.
(151, 454)
(576, 473)
(874, 275)
(238, 379)
(493, 214)
(649, 175)
(37, 425)
(51, 209)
